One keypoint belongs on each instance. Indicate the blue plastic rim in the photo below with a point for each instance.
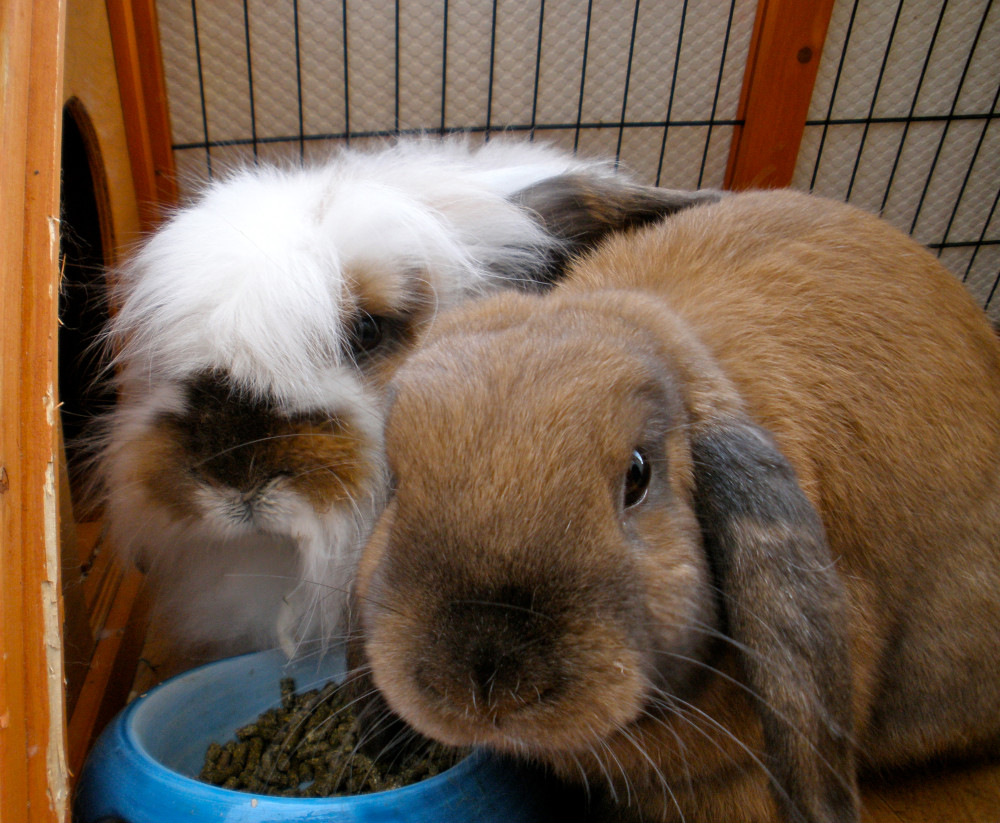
(143, 767)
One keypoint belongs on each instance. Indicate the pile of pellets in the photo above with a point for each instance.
(309, 747)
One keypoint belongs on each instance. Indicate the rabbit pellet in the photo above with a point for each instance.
(308, 747)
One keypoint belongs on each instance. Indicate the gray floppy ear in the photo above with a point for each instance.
(785, 607)
(578, 210)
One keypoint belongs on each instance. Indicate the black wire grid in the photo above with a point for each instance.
(961, 194)
(570, 131)
(948, 159)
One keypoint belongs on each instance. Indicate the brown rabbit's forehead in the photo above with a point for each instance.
(540, 405)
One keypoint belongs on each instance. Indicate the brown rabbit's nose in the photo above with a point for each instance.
(494, 653)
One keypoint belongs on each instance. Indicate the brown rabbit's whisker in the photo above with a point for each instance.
(396, 744)
(685, 709)
(359, 699)
(605, 763)
(323, 724)
(621, 768)
(716, 671)
(284, 748)
(334, 717)
(717, 634)
(682, 748)
(381, 721)
(791, 726)
(585, 782)
(747, 610)
(381, 604)
(697, 719)
(754, 654)
(602, 765)
(664, 783)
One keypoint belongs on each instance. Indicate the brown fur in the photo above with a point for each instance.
(820, 403)
(160, 453)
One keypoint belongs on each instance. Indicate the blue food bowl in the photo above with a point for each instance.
(144, 766)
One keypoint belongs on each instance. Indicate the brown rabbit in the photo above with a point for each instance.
(714, 524)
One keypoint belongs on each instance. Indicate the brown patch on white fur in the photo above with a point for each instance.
(402, 292)
(243, 448)
(401, 301)
(158, 455)
(323, 461)
(768, 315)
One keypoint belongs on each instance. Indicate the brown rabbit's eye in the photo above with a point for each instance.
(366, 333)
(636, 479)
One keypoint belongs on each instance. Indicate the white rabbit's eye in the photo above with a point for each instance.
(636, 479)
(366, 334)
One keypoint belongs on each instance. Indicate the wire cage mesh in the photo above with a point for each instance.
(902, 121)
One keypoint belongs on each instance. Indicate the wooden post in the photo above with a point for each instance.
(33, 769)
(139, 66)
(782, 63)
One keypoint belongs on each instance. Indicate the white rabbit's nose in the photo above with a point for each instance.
(245, 507)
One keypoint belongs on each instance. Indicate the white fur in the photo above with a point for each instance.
(251, 278)
(254, 280)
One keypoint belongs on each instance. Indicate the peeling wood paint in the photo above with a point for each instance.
(56, 763)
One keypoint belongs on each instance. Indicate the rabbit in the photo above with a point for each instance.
(711, 527)
(254, 331)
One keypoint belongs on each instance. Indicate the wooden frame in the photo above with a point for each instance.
(32, 721)
(136, 43)
(36, 764)
(785, 49)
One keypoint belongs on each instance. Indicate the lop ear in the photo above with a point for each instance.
(579, 210)
(785, 607)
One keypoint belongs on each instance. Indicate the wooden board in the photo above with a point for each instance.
(32, 722)
(778, 82)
